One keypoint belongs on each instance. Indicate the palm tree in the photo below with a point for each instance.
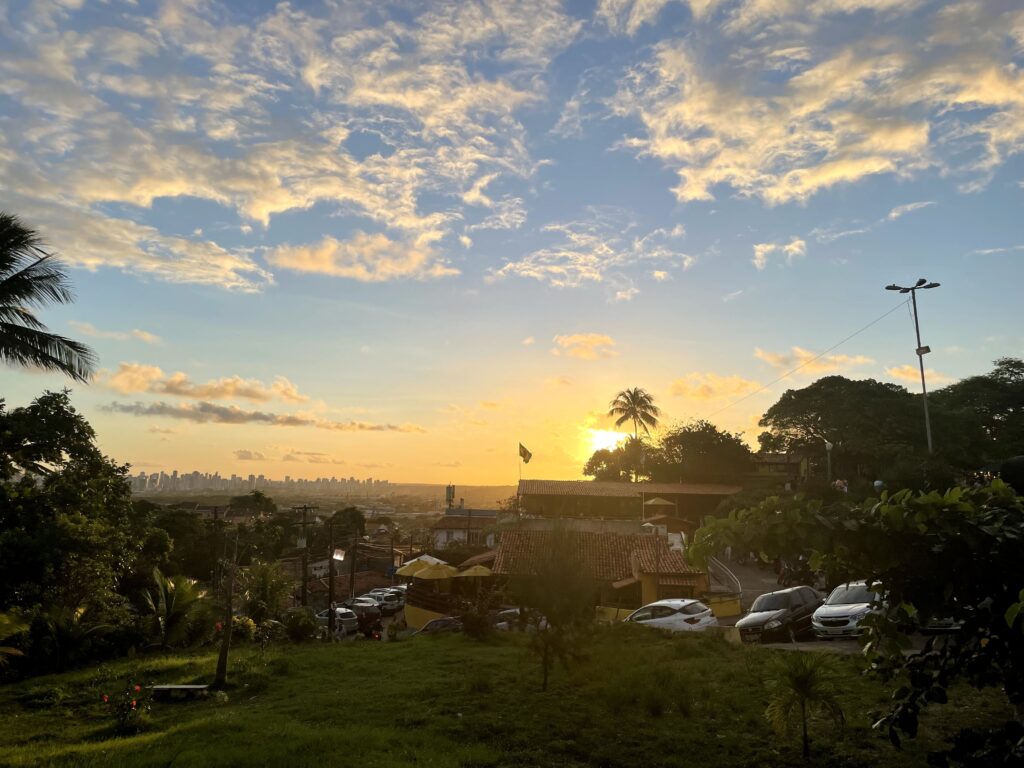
(800, 682)
(635, 405)
(30, 277)
(10, 625)
(170, 604)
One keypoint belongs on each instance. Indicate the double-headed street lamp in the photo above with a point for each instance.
(922, 350)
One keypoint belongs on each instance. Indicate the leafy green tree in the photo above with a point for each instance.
(170, 602)
(699, 452)
(993, 402)
(876, 430)
(561, 597)
(799, 684)
(30, 278)
(265, 589)
(255, 501)
(607, 464)
(635, 405)
(68, 531)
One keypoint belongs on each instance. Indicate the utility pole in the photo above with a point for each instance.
(331, 616)
(657, 564)
(922, 350)
(305, 508)
(352, 565)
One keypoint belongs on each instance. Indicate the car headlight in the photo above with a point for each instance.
(773, 624)
(860, 614)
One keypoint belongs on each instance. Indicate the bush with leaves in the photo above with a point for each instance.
(301, 625)
(562, 598)
(130, 707)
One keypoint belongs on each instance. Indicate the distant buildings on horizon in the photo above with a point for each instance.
(162, 482)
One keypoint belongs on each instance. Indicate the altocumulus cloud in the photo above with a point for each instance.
(804, 359)
(585, 346)
(130, 378)
(204, 413)
(711, 386)
(369, 258)
(139, 104)
(782, 122)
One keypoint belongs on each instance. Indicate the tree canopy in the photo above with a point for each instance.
(699, 452)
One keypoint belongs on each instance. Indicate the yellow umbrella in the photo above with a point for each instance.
(412, 568)
(476, 570)
(436, 571)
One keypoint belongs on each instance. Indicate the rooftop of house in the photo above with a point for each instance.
(604, 488)
(604, 556)
(452, 523)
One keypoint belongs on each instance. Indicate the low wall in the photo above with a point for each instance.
(724, 606)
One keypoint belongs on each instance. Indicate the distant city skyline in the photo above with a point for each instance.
(174, 481)
(400, 239)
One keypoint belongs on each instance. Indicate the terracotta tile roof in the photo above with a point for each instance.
(484, 558)
(452, 523)
(364, 582)
(605, 556)
(620, 490)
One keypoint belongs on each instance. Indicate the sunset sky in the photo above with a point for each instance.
(397, 239)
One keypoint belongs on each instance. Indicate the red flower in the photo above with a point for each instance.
(133, 703)
(218, 626)
(105, 698)
(138, 688)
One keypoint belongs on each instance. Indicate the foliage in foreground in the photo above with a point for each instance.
(952, 557)
(638, 698)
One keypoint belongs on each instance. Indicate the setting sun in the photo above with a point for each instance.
(603, 439)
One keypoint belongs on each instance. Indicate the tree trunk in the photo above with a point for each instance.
(546, 666)
(803, 720)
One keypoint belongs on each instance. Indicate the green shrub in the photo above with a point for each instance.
(301, 625)
(243, 629)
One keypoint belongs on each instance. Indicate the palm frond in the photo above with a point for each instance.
(32, 347)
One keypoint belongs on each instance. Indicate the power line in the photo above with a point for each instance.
(804, 364)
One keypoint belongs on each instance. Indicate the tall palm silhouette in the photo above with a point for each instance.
(29, 278)
(635, 405)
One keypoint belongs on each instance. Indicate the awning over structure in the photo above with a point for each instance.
(436, 571)
(474, 571)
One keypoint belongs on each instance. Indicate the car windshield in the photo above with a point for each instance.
(775, 601)
(851, 594)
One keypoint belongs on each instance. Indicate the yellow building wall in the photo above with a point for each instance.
(724, 606)
(607, 614)
(649, 589)
(417, 617)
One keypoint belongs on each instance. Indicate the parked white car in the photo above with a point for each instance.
(840, 615)
(675, 616)
(344, 618)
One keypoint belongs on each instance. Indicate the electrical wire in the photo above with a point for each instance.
(804, 364)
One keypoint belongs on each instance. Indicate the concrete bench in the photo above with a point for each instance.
(170, 692)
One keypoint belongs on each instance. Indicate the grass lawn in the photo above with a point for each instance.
(638, 699)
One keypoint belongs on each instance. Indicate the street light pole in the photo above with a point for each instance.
(922, 350)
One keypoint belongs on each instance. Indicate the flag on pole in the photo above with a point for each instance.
(524, 454)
